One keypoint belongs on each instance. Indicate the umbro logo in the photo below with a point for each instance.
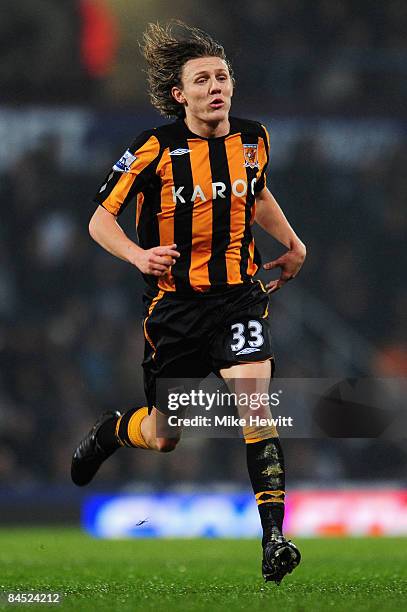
(180, 151)
(247, 350)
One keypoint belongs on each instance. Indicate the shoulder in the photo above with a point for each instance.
(251, 130)
(170, 130)
(161, 136)
(151, 142)
(147, 138)
(247, 126)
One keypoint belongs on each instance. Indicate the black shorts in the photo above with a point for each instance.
(192, 336)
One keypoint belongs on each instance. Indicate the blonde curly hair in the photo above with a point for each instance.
(166, 49)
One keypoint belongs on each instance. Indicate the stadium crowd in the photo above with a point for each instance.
(326, 56)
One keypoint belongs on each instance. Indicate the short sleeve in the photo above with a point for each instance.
(264, 158)
(129, 174)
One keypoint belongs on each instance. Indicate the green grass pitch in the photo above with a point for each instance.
(188, 575)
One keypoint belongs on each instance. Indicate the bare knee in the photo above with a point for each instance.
(166, 445)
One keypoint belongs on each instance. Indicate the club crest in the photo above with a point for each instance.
(250, 156)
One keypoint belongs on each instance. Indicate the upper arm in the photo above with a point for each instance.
(101, 217)
(262, 198)
(266, 206)
(129, 174)
(263, 195)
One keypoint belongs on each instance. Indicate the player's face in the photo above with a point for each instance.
(206, 90)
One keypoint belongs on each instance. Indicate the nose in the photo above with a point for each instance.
(214, 86)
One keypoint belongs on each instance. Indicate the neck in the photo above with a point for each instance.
(206, 129)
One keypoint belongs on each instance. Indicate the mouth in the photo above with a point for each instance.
(217, 103)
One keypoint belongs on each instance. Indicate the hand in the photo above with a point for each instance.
(290, 264)
(156, 261)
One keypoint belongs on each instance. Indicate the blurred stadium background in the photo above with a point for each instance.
(329, 81)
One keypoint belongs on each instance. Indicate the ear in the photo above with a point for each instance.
(178, 95)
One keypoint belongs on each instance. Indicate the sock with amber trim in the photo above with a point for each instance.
(123, 431)
(128, 428)
(265, 463)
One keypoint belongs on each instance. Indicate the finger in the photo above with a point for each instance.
(172, 254)
(158, 272)
(159, 268)
(275, 285)
(163, 260)
(164, 250)
(272, 264)
(271, 286)
(168, 246)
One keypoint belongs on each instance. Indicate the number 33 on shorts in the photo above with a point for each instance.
(250, 337)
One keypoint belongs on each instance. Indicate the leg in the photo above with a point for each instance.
(171, 328)
(139, 429)
(265, 464)
(264, 455)
(136, 428)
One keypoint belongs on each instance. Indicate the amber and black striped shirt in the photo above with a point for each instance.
(198, 193)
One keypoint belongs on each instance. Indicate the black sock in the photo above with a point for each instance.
(106, 436)
(265, 463)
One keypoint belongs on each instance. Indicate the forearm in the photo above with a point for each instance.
(105, 230)
(272, 219)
